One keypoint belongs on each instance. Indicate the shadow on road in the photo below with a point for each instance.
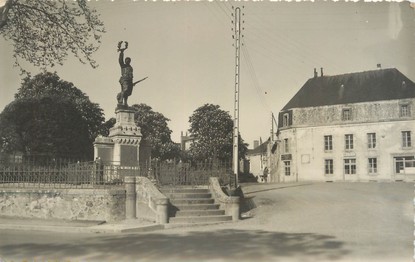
(226, 244)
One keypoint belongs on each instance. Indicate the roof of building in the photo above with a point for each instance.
(368, 86)
(262, 148)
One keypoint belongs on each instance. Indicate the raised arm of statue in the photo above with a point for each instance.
(121, 50)
(121, 58)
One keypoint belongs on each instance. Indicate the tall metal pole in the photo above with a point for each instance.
(236, 112)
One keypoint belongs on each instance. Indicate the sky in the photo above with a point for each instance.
(186, 50)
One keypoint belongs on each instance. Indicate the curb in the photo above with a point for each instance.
(89, 229)
(124, 229)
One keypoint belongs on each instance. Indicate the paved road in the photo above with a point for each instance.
(291, 222)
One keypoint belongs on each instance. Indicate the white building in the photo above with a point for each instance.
(353, 127)
(258, 161)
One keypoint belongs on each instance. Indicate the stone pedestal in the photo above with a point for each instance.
(122, 146)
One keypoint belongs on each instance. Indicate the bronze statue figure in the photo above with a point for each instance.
(126, 79)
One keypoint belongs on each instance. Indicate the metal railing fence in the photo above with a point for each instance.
(75, 175)
(193, 174)
(97, 174)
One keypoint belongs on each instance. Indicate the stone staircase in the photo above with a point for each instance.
(193, 206)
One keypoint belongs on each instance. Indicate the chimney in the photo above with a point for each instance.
(256, 143)
(315, 73)
(379, 66)
(321, 69)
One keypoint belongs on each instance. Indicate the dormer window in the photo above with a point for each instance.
(346, 114)
(286, 119)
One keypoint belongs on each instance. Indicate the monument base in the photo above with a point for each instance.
(122, 146)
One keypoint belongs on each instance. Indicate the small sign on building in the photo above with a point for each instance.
(286, 157)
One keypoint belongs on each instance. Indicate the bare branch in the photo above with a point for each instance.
(43, 32)
(4, 12)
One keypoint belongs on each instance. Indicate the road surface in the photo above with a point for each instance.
(291, 222)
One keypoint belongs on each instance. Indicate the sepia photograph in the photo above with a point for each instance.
(211, 130)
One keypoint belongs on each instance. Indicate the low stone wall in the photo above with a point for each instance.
(73, 204)
(149, 194)
(231, 204)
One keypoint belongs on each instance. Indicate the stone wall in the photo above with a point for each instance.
(148, 194)
(231, 204)
(73, 204)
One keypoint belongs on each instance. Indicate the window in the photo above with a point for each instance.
(286, 119)
(403, 162)
(406, 139)
(348, 139)
(286, 146)
(350, 166)
(373, 165)
(287, 168)
(346, 114)
(371, 140)
(404, 110)
(328, 166)
(328, 143)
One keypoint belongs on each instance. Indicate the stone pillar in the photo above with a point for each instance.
(233, 208)
(130, 197)
(162, 210)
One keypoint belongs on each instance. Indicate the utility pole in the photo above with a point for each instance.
(269, 149)
(237, 37)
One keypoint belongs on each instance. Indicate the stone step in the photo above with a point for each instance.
(188, 195)
(199, 219)
(196, 207)
(184, 190)
(190, 201)
(179, 225)
(194, 213)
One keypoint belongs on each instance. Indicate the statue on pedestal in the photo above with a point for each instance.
(126, 79)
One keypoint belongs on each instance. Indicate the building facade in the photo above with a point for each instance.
(352, 127)
(258, 161)
(186, 142)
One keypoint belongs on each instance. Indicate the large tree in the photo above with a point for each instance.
(50, 116)
(46, 126)
(44, 32)
(50, 85)
(154, 129)
(212, 129)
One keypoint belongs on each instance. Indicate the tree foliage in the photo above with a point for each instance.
(44, 32)
(212, 129)
(154, 129)
(50, 85)
(50, 116)
(49, 125)
(105, 127)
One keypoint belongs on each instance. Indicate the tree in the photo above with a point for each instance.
(154, 129)
(212, 129)
(50, 85)
(50, 116)
(105, 127)
(43, 32)
(50, 125)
